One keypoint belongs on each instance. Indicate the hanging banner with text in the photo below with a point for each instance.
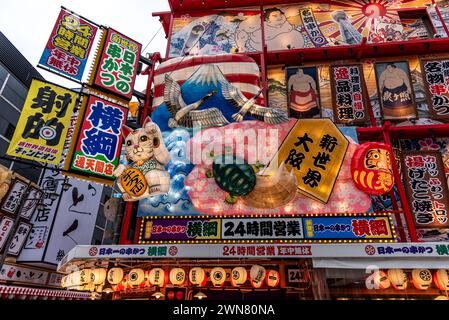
(116, 69)
(426, 186)
(350, 227)
(96, 152)
(44, 120)
(68, 48)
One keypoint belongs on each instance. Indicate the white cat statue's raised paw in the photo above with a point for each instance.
(145, 176)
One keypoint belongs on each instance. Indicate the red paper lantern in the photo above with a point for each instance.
(371, 168)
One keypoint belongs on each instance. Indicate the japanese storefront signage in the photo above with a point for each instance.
(116, 70)
(11, 202)
(350, 227)
(69, 45)
(426, 187)
(6, 224)
(314, 149)
(348, 93)
(43, 123)
(96, 152)
(22, 274)
(258, 250)
(19, 239)
(312, 28)
(31, 202)
(436, 82)
(231, 229)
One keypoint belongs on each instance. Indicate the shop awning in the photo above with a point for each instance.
(15, 292)
(386, 263)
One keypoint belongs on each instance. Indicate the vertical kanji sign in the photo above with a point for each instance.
(116, 70)
(43, 123)
(11, 202)
(19, 239)
(69, 46)
(436, 81)
(426, 186)
(348, 94)
(96, 152)
(314, 149)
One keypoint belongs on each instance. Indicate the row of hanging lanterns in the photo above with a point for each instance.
(420, 278)
(88, 279)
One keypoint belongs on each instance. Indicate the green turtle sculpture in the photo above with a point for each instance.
(233, 175)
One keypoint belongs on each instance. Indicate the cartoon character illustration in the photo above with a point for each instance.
(396, 91)
(279, 33)
(248, 35)
(371, 168)
(303, 95)
(349, 34)
(146, 176)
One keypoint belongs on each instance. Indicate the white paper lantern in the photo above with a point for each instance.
(136, 277)
(421, 278)
(273, 277)
(98, 275)
(239, 275)
(381, 280)
(85, 276)
(115, 275)
(197, 276)
(257, 275)
(218, 276)
(398, 278)
(441, 279)
(177, 276)
(441, 298)
(75, 278)
(64, 282)
(157, 277)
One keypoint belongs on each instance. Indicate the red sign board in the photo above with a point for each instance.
(117, 67)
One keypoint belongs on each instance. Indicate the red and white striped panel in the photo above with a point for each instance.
(240, 70)
(53, 294)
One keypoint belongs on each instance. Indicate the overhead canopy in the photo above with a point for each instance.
(386, 263)
(14, 292)
(368, 252)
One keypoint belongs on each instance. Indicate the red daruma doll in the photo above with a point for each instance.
(371, 168)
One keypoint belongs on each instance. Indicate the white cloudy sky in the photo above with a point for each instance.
(28, 24)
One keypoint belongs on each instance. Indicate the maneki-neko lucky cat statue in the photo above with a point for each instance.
(145, 176)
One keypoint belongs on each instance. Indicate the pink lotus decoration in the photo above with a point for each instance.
(257, 142)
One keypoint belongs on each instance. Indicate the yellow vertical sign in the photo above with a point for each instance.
(43, 123)
(314, 149)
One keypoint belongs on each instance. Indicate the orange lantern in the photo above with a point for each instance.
(239, 275)
(218, 276)
(272, 279)
(371, 168)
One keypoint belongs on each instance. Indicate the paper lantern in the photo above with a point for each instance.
(272, 279)
(441, 298)
(97, 276)
(85, 276)
(441, 279)
(136, 277)
(75, 278)
(371, 168)
(398, 278)
(64, 282)
(157, 277)
(381, 280)
(421, 278)
(239, 275)
(115, 275)
(197, 276)
(177, 276)
(257, 275)
(218, 276)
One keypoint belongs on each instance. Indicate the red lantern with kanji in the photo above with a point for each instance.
(371, 168)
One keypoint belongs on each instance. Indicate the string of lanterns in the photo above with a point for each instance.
(95, 279)
(421, 279)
